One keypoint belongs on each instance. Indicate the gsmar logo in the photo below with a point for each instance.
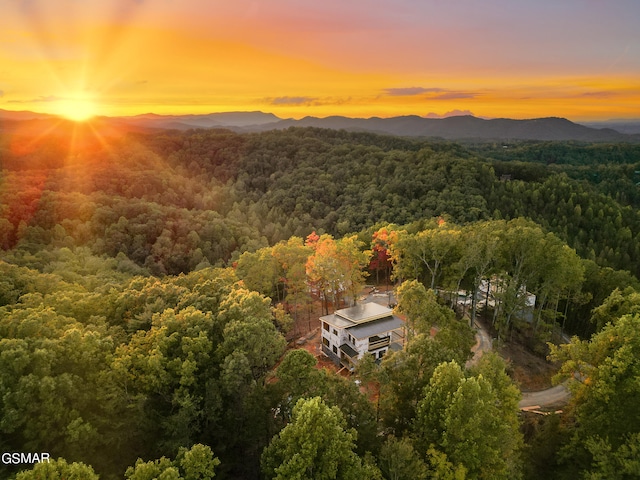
(18, 458)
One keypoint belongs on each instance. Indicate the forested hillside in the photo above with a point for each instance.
(172, 201)
(149, 284)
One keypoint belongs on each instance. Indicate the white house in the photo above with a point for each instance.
(367, 328)
(492, 287)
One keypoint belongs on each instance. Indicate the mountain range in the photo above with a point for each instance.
(451, 128)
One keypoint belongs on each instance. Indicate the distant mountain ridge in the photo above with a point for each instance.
(209, 120)
(464, 127)
(629, 126)
(467, 128)
(22, 115)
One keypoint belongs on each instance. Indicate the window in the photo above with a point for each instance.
(381, 353)
(335, 349)
(325, 326)
(335, 332)
(325, 342)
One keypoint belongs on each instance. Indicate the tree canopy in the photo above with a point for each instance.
(153, 288)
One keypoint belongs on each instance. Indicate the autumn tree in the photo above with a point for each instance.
(381, 257)
(336, 268)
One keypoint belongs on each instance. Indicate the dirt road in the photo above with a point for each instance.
(551, 397)
(483, 344)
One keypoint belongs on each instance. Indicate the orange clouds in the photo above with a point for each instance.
(311, 58)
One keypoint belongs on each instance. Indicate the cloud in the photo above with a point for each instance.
(41, 99)
(431, 93)
(452, 113)
(598, 94)
(1, 93)
(452, 96)
(291, 100)
(411, 91)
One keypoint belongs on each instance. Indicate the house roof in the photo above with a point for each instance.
(364, 312)
(346, 348)
(337, 321)
(375, 327)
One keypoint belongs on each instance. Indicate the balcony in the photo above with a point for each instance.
(348, 356)
(376, 342)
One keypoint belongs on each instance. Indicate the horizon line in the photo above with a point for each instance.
(429, 116)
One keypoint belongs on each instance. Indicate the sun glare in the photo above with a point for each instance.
(77, 109)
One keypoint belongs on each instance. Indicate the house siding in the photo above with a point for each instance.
(339, 330)
(334, 340)
(327, 351)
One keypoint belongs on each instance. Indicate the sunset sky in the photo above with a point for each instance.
(578, 59)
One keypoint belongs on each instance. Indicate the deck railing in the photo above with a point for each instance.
(377, 342)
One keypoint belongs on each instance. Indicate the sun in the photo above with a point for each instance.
(77, 109)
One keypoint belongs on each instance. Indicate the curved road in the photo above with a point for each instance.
(554, 396)
(551, 397)
(483, 344)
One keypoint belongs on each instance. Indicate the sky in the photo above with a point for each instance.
(578, 59)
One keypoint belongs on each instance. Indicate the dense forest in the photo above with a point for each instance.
(153, 287)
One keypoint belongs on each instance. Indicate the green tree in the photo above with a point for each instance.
(297, 377)
(260, 272)
(479, 254)
(440, 468)
(315, 445)
(438, 395)
(58, 470)
(169, 369)
(621, 463)
(617, 304)
(421, 307)
(292, 256)
(196, 463)
(423, 255)
(603, 377)
(403, 376)
(399, 460)
(466, 419)
(255, 338)
(56, 388)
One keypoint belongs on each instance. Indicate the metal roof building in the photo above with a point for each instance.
(365, 329)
